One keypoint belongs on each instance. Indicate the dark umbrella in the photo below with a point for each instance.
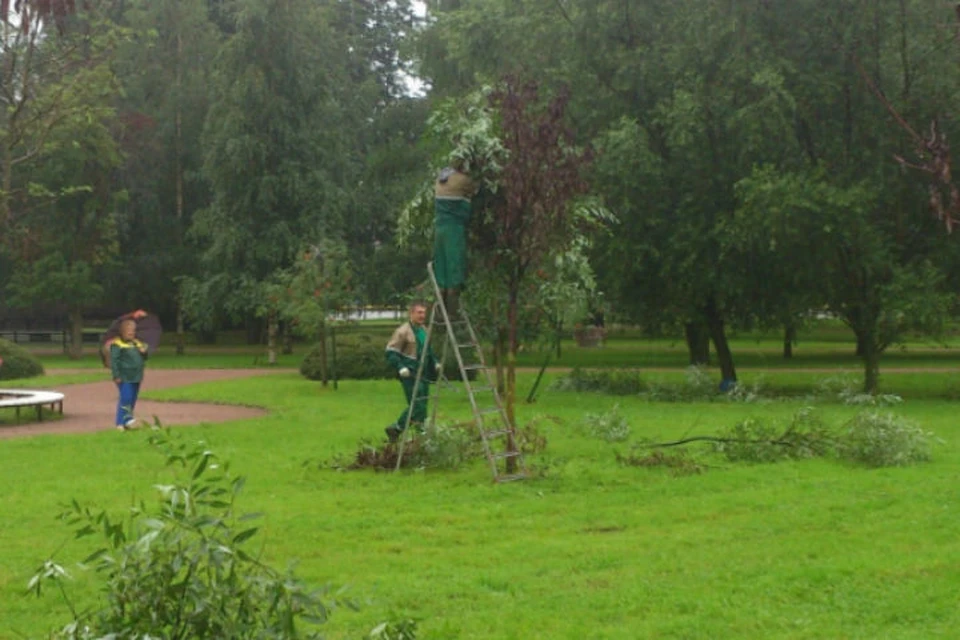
(148, 331)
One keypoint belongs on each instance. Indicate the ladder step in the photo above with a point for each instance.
(483, 389)
(475, 367)
(487, 412)
(505, 455)
(490, 435)
(468, 345)
(511, 477)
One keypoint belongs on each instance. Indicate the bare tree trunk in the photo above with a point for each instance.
(698, 343)
(272, 339)
(287, 339)
(6, 222)
(559, 339)
(513, 319)
(324, 370)
(870, 354)
(789, 337)
(862, 348)
(178, 170)
(871, 370)
(499, 349)
(7, 159)
(181, 335)
(718, 334)
(75, 317)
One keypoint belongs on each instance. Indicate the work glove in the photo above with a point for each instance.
(404, 372)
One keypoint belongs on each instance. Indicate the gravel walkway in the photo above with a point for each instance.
(91, 406)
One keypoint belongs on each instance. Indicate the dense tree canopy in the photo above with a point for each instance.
(766, 160)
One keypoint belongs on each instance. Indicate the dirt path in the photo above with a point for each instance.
(91, 406)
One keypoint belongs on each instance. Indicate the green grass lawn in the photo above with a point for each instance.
(588, 549)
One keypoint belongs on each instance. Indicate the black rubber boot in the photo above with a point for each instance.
(393, 433)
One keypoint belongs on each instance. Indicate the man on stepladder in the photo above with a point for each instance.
(404, 353)
(452, 194)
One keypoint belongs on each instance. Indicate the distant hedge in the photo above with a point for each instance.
(361, 357)
(17, 362)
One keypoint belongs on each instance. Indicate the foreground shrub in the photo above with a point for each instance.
(17, 362)
(885, 440)
(397, 628)
(180, 570)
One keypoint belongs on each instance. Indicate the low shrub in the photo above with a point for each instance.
(17, 362)
(440, 446)
(530, 439)
(885, 440)
(871, 439)
(756, 440)
(848, 390)
(445, 446)
(618, 382)
(679, 462)
(359, 357)
(610, 425)
(697, 386)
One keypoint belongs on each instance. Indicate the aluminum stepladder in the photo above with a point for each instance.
(497, 434)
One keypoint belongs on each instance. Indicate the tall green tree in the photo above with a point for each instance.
(58, 226)
(274, 151)
(165, 73)
(861, 222)
(386, 119)
(685, 99)
(533, 219)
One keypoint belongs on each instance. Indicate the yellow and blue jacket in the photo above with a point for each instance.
(126, 361)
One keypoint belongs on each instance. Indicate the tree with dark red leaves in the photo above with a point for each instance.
(533, 218)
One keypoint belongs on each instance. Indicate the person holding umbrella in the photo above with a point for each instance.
(127, 359)
(126, 345)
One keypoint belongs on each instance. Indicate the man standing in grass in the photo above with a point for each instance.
(404, 353)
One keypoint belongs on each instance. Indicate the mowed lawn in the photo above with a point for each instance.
(587, 549)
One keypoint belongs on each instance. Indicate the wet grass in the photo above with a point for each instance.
(589, 548)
